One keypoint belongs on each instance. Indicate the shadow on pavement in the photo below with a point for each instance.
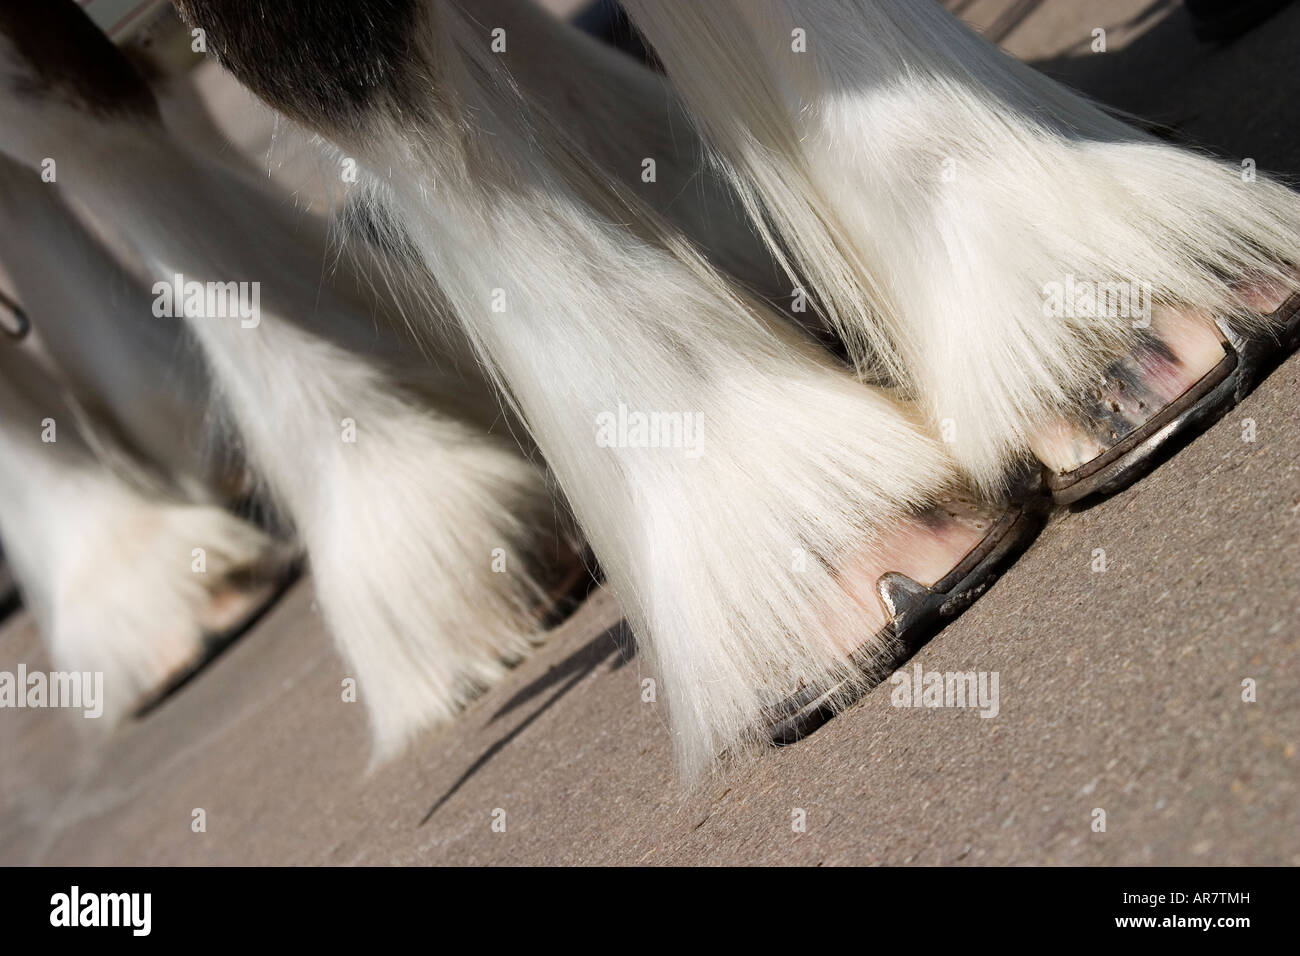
(1238, 99)
(577, 666)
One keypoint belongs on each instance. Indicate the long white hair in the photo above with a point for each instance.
(930, 190)
(104, 554)
(589, 309)
(424, 523)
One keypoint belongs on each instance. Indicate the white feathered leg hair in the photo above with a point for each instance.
(931, 190)
(106, 561)
(423, 533)
(104, 524)
(724, 548)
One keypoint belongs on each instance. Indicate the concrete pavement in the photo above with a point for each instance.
(1120, 690)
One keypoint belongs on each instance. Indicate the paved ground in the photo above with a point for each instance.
(1119, 690)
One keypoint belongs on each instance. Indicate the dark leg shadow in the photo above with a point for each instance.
(582, 661)
(10, 601)
(578, 665)
(1167, 76)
